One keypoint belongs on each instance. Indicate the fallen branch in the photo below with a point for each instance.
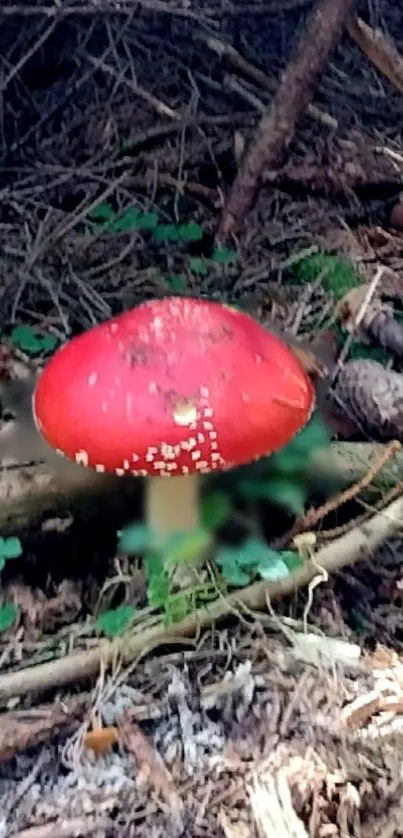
(380, 51)
(21, 729)
(357, 544)
(348, 462)
(68, 828)
(30, 494)
(294, 94)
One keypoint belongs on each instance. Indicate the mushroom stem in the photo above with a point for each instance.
(172, 505)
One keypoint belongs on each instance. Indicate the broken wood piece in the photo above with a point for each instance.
(357, 544)
(30, 494)
(295, 92)
(23, 729)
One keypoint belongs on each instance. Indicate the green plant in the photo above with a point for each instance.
(253, 559)
(280, 478)
(115, 621)
(10, 548)
(339, 274)
(9, 614)
(31, 342)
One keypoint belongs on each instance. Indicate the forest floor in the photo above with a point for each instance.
(120, 136)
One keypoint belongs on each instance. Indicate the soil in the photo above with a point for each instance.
(287, 721)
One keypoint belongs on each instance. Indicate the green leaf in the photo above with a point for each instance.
(8, 616)
(102, 212)
(177, 282)
(177, 607)
(114, 622)
(10, 548)
(190, 232)
(291, 558)
(289, 494)
(157, 580)
(125, 222)
(288, 462)
(215, 511)
(147, 221)
(31, 342)
(240, 565)
(228, 559)
(198, 266)
(134, 539)
(279, 490)
(134, 219)
(49, 343)
(186, 547)
(224, 256)
(166, 233)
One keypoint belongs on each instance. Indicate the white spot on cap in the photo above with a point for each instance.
(100, 468)
(152, 388)
(92, 379)
(184, 413)
(81, 458)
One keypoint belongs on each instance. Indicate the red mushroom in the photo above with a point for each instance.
(174, 388)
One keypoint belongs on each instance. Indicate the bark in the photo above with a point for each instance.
(277, 127)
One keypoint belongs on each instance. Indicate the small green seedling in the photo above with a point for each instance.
(10, 548)
(115, 621)
(9, 614)
(31, 342)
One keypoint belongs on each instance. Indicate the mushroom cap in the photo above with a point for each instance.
(175, 386)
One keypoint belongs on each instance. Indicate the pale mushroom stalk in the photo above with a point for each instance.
(172, 506)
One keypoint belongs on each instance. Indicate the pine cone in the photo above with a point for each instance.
(373, 397)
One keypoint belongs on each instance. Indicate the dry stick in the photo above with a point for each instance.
(295, 91)
(381, 52)
(68, 828)
(227, 51)
(348, 462)
(359, 543)
(314, 515)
